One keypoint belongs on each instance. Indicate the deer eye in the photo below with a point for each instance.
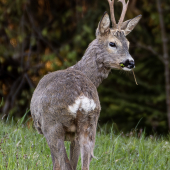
(112, 44)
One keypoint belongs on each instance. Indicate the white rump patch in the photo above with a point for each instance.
(82, 103)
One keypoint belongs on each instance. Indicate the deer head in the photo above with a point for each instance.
(113, 40)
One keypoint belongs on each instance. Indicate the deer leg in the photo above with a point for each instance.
(74, 153)
(55, 139)
(86, 149)
(61, 160)
(56, 165)
(87, 141)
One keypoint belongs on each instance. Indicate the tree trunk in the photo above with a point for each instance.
(165, 59)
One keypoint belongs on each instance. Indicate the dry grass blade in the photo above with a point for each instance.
(134, 77)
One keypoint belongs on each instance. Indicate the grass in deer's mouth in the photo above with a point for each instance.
(122, 65)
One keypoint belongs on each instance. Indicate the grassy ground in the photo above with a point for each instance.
(23, 149)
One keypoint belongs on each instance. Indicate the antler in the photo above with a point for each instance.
(111, 3)
(125, 5)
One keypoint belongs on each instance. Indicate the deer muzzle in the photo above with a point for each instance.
(128, 64)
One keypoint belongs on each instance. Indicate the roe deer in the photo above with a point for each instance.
(65, 105)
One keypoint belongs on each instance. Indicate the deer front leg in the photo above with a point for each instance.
(74, 153)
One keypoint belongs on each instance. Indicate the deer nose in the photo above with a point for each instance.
(128, 63)
(131, 64)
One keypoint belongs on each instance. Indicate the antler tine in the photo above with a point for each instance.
(125, 5)
(111, 4)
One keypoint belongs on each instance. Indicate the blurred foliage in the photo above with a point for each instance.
(37, 37)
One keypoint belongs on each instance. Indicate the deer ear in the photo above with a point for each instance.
(129, 25)
(104, 25)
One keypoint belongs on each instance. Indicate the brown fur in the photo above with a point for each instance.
(65, 105)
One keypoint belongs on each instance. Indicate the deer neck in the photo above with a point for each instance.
(92, 64)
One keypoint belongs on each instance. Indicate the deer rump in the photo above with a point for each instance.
(65, 106)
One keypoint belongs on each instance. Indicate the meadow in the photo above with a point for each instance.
(22, 148)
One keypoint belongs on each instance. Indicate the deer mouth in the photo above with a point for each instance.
(127, 65)
(126, 69)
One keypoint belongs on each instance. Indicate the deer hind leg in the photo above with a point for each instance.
(86, 153)
(56, 165)
(87, 140)
(55, 139)
(86, 149)
(74, 153)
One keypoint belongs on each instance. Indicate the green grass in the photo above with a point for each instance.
(24, 149)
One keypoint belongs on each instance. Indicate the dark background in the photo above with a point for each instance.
(37, 37)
